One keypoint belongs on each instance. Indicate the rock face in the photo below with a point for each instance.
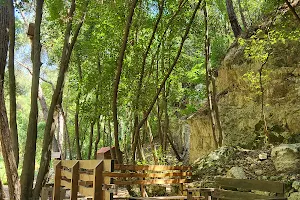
(240, 100)
(286, 157)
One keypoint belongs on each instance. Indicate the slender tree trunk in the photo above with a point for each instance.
(12, 81)
(174, 148)
(91, 140)
(28, 169)
(154, 153)
(293, 10)
(77, 127)
(236, 28)
(117, 81)
(241, 10)
(216, 109)
(64, 65)
(208, 79)
(5, 136)
(187, 30)
(142, 73)
(1, 191)
(98, 138)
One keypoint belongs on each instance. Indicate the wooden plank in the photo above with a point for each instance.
(74, 181)
(147, 175)
(57, 182)
(152, 181)
(267, 186)
(165, 198)
(107, 166)
(235, 195)
(86, 177)
(150, 167)
(66, 174)
(66, 184)
(89, 164)
(68, 163)
(97, 182)
(85, 191)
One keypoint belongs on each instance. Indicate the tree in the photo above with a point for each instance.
(27, 176)
(236, 28)
(117, 80)
(5, 136)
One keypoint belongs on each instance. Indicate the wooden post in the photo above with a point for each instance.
(107, 167)
(181, 186)
(190, 195)
(143, 189)
(74, 181)
(97, 182)
(56, 190)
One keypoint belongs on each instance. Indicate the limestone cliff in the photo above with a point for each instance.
(240, 100)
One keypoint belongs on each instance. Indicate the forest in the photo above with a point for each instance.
(78, 75)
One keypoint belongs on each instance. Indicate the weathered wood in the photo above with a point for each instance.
(150, 167)
(147, 175)
(98, 181)
(268, 186)
(66, 184)
(166, 197)
(86, 177)
(86, 191)
(232, 195)
(152, 181)
(66, 174)
(68, 163)
(74, 181)
(57, 177)
(89, 164)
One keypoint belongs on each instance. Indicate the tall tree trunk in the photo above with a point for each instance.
(236, 28)
(5, 136)
(91, 140)
(77, 128)
(117, 81)
(12, 82)
(208, 79)
(154, 153)
(216, 109)
(28, 169)
(98, 138)
(142, 74)
(241, 10)
(1, 191)
(64, 65)
(187, 30)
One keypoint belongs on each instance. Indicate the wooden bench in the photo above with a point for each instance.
(83, 177)
(242, 189)
(144, 175)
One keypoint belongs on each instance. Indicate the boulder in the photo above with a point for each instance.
(294, 196)
(263, 156)
(236, 172)
(286, 158)
(296, 185)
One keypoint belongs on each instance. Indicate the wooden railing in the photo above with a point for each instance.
(83, 176)
(149, 174)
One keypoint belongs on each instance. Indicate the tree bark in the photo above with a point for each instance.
(91, 140)
(293, 10)
(28, 169)
(5, 136)
(154, 153)
(64, 65)
(12, 82)
(98, 138)
(117, 81)
(241, 10)
(187, 30)
(77, 128)
(236, 28)
(208, 79)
